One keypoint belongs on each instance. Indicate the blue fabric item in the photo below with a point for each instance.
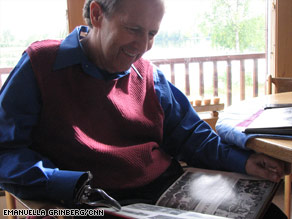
(28, 174)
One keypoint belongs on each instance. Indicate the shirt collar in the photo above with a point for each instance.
(71, 53)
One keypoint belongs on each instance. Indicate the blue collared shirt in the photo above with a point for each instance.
(29, 175)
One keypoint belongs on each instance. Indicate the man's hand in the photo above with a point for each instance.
(265, 167)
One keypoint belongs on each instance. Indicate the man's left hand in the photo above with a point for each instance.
(265, 167)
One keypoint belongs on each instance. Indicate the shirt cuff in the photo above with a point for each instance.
(62, 185)
(237, 158)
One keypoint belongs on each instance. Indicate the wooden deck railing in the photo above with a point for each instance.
(215, 59)
(228, 59)
(4, 72)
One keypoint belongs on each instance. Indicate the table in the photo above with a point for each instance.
(281, 149)
(277, 148)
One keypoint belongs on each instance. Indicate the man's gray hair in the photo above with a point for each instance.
(108, 7)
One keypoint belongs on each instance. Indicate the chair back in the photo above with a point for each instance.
(281, 84)
(212, 109)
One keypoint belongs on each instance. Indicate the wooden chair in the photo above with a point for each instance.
(208, 110)
(11, 201)
(283, 85)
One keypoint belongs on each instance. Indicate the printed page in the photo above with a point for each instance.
(218, 193)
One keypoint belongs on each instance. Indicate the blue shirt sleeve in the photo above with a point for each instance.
(24, 172)
(190, 139)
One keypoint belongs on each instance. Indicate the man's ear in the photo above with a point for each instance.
(96, 14)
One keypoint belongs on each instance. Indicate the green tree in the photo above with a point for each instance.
(232, 25)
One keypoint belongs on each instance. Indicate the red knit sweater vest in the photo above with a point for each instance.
(111, 128)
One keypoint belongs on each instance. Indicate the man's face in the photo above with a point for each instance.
(128, 34)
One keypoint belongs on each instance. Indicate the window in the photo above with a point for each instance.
(184, 35)
(23, 22)
(210, 28)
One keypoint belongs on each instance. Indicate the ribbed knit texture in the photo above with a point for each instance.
(111, 128)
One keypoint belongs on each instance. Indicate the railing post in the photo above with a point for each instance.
(187, 78)
(172, 73)
(242, 80)
(215, 79)
(255, 78)
(201, 78)
(229, 84)
(4, 71)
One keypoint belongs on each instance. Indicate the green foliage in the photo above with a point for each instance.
(12, 47)
(177, 39)
(6, 39)
(226, 24)
(252, 34)
(231, 25)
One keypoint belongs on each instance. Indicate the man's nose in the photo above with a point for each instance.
(144, 42)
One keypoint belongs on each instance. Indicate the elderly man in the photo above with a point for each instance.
(91, 106)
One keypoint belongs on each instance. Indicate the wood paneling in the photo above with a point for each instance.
(283, 44)
(75, 17)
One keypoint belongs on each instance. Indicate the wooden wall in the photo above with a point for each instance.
(283, 39)
(75, 13)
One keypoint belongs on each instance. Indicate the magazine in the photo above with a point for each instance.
(201, 193)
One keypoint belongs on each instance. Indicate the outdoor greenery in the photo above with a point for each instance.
(228, 25)
(194, 28)
(232, 25)
(223, 25)
(30, 24)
